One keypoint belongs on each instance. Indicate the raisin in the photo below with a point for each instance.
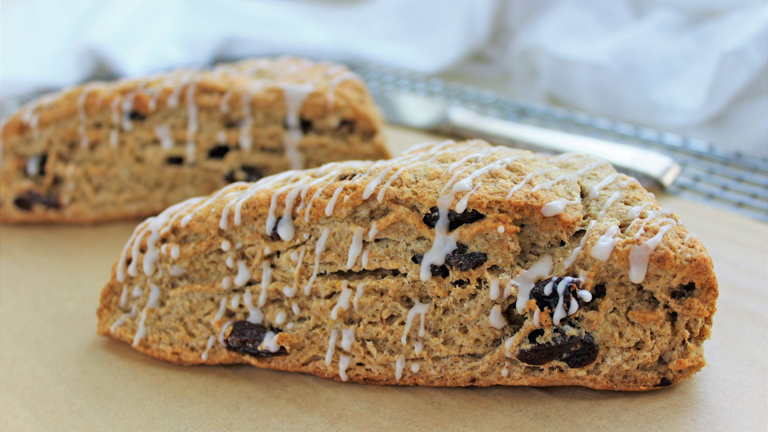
(26, 201)
(550, 301)
(582, 356)
(683, 291)
(460, 283)
(664, 382)
(252, 173)
(347, 126)
(562, 243)
(218, 152)
(246, 337)
(439, 271)
(229, 177)
(136, 115)
(347, 176)
(598, 292)
(23, 203)
(231, 124)
(306, 126)
(174, 160)
(455, 220)
(274, 235)
(463, 260)
(543, 353)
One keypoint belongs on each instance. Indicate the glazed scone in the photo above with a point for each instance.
(455, 264)
(130, 148)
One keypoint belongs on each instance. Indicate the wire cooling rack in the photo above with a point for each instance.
(711, 174)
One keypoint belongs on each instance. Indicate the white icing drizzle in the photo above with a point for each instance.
(418, 347)
(230, 261)
(319, 249)
(635, 211)
(332, 203)
(358, 294)
(81, 129)
(290, 291)
(225, 245)
(559, 312)
(270, 342)
(254, 313)
(364, 259)
(123, 318)
(496, 318)
(123, 298)
(594, 191)
(280, 318)
(575, 254)
(614, 197)
(224, 330)
(175, 270)
(244, 275)
(33, 166)
(294, 95)
(245, 140)
(527, 179)
(235, 302)
(209, 345)
(175, 251)
(299, 262)
(113, 137)
(415, 367)
(127, 106)
(537, 317)
(224, 104)
(356, 247)
(222, 309)
(574, 176)
(639, 255)
(373, 231)
(505, 371)
(602, 249)
(295, 309)
(344, 361)
(347, 339)
(501, 229)
(557, 206)
(226, 283)
(267, 249)
(266, 279)
(526, 279)
(343, 302)
(420, 309)
(399, 366)
(115, 121)
(331, 347)
(493, 292)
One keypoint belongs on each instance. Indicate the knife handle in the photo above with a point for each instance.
(658, 167)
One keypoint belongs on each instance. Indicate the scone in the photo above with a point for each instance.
(455, 264)
(106, 151)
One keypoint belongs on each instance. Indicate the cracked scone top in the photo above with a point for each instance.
(454, 264)
(105, 151)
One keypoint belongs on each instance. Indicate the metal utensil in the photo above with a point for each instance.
(423, 112)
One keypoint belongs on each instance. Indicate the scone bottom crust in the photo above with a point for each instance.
(130, 148)
(454, 264)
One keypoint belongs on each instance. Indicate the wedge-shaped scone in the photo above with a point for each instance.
(455, 264)
(106, 151)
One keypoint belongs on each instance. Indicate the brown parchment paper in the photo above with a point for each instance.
(57, 374)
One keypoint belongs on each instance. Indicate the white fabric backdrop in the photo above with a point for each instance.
(687, 66)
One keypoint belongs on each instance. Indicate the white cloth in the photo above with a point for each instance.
(696, 67)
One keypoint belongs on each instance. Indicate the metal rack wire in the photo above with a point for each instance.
(710, 174)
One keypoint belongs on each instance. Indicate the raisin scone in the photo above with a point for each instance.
(455, 264)
(130, 148)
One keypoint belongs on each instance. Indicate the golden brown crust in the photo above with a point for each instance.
(645, 331)
(109, 151)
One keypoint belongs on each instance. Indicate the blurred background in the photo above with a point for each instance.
(693, 67)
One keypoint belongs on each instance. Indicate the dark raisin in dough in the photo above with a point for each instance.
(664, 382)
(306, 126)
(229, 177)
(438, 271)
(347, 126)
(550, 301)
(174, 160)
(683, 291)
(584, 355)
(218, 152)
(137, 115)
(462, 260)
(543, 353)
(252, 173)
(455, 220)
(231, 124)
(246, 337)
(23, 203)
(347, 176)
